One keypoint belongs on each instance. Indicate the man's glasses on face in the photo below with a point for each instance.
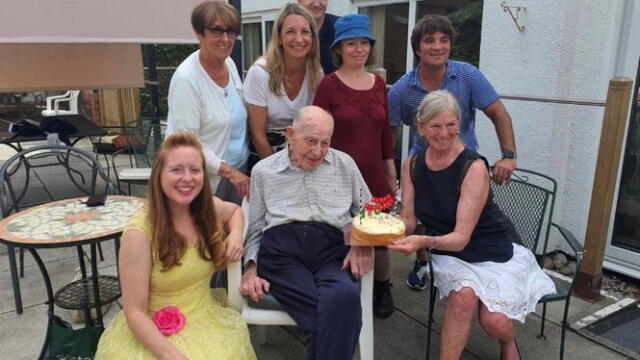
(217, 32)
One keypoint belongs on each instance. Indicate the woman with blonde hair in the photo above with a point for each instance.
(169, 252)
(282, 81)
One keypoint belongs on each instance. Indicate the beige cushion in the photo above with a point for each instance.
(135, 174)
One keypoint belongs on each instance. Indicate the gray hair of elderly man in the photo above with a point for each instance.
(311, 112)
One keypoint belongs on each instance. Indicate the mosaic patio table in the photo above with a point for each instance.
(71, 223)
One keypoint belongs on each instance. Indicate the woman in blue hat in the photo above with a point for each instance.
(357, 100)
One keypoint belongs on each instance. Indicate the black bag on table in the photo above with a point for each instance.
(25, 128)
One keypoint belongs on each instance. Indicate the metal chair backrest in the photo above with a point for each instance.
(48, 173)
(146, 135)
(528, 200)
(138, 133)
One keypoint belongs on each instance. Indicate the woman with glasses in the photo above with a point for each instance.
(282, 81)
(205, 97)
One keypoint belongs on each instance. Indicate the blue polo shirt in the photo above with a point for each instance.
(471, 89)
(326, 35)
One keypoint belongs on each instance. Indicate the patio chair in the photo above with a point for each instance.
(43, 174)
(528, 200)
(53, 104)
(130, 140)
(269, 312)
(141, 157)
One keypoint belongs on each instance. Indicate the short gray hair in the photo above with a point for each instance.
(434, 103)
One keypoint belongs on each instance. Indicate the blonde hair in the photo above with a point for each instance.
(167, 244)
(275, 54)
(434, 103)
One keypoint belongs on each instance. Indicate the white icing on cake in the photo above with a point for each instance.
(380, 224)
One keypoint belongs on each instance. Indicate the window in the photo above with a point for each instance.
(252, 44)
(626, 226)
(389, 26)
(255, 36)
(268, 28)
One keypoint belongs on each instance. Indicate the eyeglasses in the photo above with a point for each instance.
(217, 32)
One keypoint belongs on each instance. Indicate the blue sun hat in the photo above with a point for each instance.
(352, 26)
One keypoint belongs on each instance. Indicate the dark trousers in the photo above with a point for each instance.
(302, 262)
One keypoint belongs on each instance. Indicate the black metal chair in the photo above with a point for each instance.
(130, 140)
(43, 174)
(528, 200)
(140, 153)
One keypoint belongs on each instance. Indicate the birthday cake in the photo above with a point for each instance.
(375, 228)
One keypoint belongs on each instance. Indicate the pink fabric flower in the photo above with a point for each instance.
(169, 320)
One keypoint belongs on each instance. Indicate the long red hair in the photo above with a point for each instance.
(167, 244)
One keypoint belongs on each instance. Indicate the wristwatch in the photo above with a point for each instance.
(506, 154)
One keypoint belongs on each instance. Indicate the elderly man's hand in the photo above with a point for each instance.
(502, 170)
(359, 260)
(252, 285)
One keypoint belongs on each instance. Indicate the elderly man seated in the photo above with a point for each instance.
(300, 199)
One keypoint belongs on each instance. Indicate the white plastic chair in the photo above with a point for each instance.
(257, 316)
(53, 104)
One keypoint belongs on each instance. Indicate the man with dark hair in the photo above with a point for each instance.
(431, 40)
(326, 33)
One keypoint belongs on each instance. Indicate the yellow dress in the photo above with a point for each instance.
(212, 329)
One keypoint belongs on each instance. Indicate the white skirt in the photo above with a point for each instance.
(512, 288)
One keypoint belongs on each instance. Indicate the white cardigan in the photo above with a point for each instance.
(198, 104)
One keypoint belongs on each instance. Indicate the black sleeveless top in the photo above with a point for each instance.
(436, 203)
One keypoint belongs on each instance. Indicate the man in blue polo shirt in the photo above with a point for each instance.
(431, 42)
(326, 33)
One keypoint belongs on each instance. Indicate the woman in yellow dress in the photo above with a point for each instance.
(169, 252)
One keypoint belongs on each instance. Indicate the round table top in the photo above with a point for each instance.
(69, 221)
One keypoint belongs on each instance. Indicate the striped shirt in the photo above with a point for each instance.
(468, 85)
(282, 193)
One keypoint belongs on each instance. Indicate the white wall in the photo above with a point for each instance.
(567, 51)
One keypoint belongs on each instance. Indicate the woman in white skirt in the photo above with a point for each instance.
(478, 261)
